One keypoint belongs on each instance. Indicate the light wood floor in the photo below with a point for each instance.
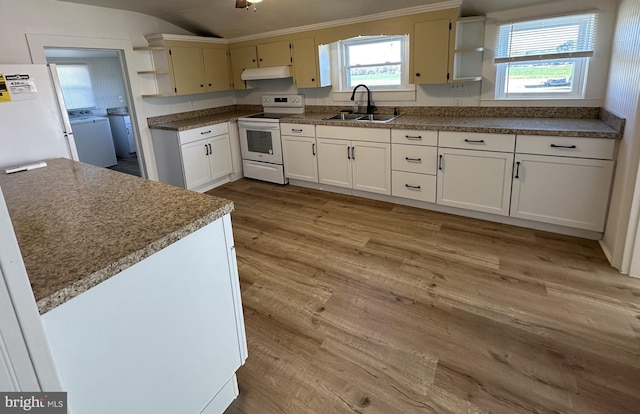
(359, 306)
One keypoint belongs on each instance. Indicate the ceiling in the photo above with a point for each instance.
(220, 18)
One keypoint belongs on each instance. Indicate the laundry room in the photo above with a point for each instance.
(95, 96)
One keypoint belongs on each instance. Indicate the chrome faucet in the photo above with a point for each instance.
(370, 106)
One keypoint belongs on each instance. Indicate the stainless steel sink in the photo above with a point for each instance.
(363, 117)
(377, 118)
(344, 117)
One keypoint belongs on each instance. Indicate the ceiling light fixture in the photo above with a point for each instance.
(245, 4)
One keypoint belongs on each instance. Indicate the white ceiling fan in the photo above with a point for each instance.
(244, 4)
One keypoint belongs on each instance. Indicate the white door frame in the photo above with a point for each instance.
(37, 44)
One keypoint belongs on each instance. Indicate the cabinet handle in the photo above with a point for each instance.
(205, 132)
(127, 131)
(440, 163)
(260, 59)
(210, 150)
(418, 74)
(474, 141)
(414, 138)
(349, 152)
(563, 146)
(412, 187)
(313, 149)
(313, 79)
(202, 85)
(209, 84)
(353, 152)
(296, 130)
(518, 169)
(206, 149)
(413, 159)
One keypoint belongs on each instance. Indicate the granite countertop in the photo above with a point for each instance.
(569, 127)
(201, 121)
(77, 225)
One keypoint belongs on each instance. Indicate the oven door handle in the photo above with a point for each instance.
(261, 126)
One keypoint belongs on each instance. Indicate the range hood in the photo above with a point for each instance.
(274, 72)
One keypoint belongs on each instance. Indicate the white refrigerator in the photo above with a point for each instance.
(34, 124)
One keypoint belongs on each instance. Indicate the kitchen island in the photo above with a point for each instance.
(137, 286)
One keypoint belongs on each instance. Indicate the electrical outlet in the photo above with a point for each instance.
(457, 87)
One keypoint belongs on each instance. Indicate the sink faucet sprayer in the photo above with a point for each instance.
(370, 106)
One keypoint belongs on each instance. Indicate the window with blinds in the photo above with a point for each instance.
(545, 58)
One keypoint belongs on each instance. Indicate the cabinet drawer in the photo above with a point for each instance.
(414, 186)
(381, 135)
(414, 137)
(600, 148)
(196, 134)
(477, 141)
(413, 158)
(302, 130)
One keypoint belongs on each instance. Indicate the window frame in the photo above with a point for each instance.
(503, 61)
(344, 67)
(70, 101)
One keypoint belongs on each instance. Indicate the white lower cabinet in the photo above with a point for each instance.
(356, 158)
(299, 152)
(198, 159)
(475, 180)
(563, 190)
(414, 163)
(360, 165)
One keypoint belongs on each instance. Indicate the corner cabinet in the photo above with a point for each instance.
(469, 49)
(474, 171)
(299, 152)
(356, 158)
(562, 180)
(311, 64)
(431, 48)
(198, 159)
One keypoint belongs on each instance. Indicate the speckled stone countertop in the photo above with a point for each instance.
(77, 225)
(569, 127)
(201, 121)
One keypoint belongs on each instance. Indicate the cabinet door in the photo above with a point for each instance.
(431, 52)
(195, 163)
(300, 162)
(216, 69)
(571, 192)
(188, 71)
(241, 59)
(334, 163)
(219, 156)
(475, 180)
(305, 65)
(371, 163)
(274, 54)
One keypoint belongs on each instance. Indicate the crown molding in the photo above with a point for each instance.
(449, 4)
(185, 38)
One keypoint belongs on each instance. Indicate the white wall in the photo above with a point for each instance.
(622, 98)
(598, 64)
(98, 25)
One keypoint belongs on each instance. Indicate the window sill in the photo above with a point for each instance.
(378, 95)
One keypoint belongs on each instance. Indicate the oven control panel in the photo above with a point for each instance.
(283, 101)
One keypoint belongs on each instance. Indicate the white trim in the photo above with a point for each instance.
(185, 38)
(449, 4)
(37, 44)
(408, 95)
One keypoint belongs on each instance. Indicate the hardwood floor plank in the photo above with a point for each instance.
(359, 306)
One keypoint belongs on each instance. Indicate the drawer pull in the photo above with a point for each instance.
(414, 138)
(296, 130)
(413, 159)
(412, 187)
(563, 146)
(518, 169)
(205, 132)
(474, 141)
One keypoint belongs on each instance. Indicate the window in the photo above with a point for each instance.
(380, 62)
(75, 82)
(544, 59)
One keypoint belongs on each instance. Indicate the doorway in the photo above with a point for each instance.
(95, 94)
